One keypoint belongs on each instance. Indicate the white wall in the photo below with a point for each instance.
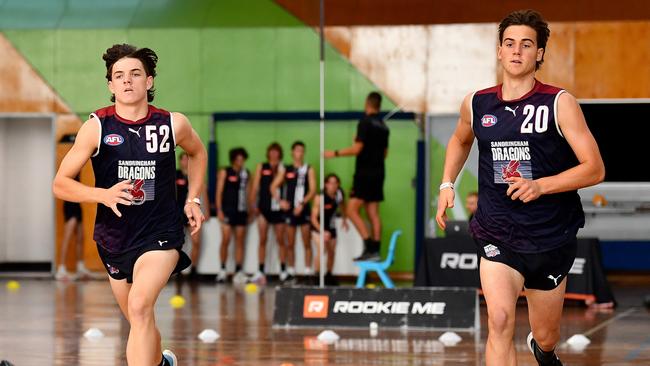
(26, 202)
(349, 245)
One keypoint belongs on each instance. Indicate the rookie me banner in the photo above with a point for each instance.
(430, 308)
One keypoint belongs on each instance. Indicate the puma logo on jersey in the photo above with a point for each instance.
(138, 131)
(554, 279)
(514, 111)
(161, 242)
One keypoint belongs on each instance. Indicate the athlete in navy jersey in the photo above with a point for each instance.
(266, 208)
(332, 199)
(232, 210)
(298, 190)
(131, 145)
(520, 138)
(535, 152)
(125, 153)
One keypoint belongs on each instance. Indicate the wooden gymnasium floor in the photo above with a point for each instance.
(43, 324)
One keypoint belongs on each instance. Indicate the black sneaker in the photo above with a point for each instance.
(368, 256)
(331, 280)
(543, 358)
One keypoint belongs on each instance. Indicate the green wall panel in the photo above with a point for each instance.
(39, 48)
(178, 83)
(297, 69)
(79, 69)
(238, 69)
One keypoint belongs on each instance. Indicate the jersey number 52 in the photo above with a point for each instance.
(541, 119)
(152, 134)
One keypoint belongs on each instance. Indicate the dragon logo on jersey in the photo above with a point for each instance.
(113, 139)
(488, 120)
(137, 192)
(511, 159)
(511, 170)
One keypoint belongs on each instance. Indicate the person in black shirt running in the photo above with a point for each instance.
(266, 208)
(370, 148)
(232, 210)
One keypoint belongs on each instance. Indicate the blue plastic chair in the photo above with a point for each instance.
(379, 267)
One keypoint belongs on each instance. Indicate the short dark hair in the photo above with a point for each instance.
(472, 193)
(119, 51)
(532, 19)
(274, 146)
(237, 151)
(332, 175)
(374, 99)
(296, 144)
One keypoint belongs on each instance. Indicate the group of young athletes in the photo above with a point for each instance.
(535, 151)
(281, 197)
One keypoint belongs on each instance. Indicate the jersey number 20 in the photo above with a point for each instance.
(152, 138)
(541, 119)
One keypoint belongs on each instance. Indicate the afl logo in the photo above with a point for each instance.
(113, 139)
(488, 120)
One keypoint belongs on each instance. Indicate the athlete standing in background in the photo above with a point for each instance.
(232, 210)
(266, 208)
(535, 152)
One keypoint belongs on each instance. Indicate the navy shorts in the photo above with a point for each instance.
(541, 271)
(273, 217)
(302, 219)
(235, 218)
(120, 265)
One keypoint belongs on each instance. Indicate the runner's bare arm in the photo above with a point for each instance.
(458, 149)
(189, 141)
(65, 187)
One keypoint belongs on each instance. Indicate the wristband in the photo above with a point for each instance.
(446, 185)
(194, 200)
(336, 153)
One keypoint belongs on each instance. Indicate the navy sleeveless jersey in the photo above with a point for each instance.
(142, 151)
(233, 197)
(522, 138)
(296, 184)
(265, 201)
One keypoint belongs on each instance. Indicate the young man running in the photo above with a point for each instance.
(138, 229)
(535, 152)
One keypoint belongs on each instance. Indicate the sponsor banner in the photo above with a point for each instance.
(434, 308)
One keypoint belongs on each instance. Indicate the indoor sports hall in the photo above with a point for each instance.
(324, 182)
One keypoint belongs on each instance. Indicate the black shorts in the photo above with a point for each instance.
(120, 266)
(71, 209)
(541, 271)
(302, 219)
(331, 231)
(368, 187)
(273, 217)
(235, 218)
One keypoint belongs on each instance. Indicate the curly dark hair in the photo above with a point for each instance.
(237, 151)
(532, 19)
(119, 51)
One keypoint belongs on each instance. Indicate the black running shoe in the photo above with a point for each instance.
(543, 358)
(368, 256)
